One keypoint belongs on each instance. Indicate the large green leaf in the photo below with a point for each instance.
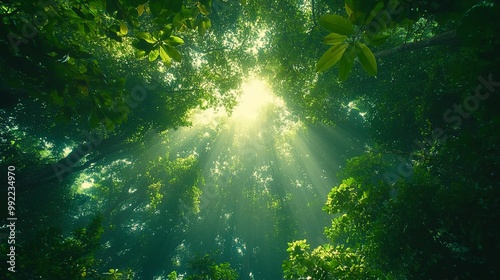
(123, 29)
(346, 62)
(330, 57)
(142, 45)
(153, 55)
(140, 54)
(349, 7)
(374, 12)
(336, 24)
(166, 32)
(146, 37)
(174, 41)
(173, 53)
(164, 57)
(334, 38)
(366, 58)
(155, 6)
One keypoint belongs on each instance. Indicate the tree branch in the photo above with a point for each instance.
(446, 38)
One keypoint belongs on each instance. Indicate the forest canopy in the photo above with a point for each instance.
(239, 139)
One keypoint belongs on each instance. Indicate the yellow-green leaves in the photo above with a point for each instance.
(173, 53)
(366, 58)
(203, 25)
(330, 57)
(203, 10)
(174, 41)
(160, 43)
(345, 52)
(336, 24)
(346, 62)
(346, 39)
(123, 29)
(146, 37)
(334, 38)
(153, 55)
(164, 57)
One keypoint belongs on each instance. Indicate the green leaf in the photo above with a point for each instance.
(174, 41)
(203, 26)
(155, 6)
(141, 9)
(336, 24)
(153, 55)
(203, 9)
(123, 29)
(166, 32)
(366, 58)
(142, 45)
(349, 7)
(334, 38)
(330, 57)
(379, 6)
(146, 37)
(164, 57)
(173, 53)
(346, 62)
(140, 54)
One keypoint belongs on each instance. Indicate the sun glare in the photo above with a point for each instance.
(255, 97)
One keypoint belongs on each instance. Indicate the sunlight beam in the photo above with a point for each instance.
(255, 97)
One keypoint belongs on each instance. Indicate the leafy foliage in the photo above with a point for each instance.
(99, 88)
(205, 267)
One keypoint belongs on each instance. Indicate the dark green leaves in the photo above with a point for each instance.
(336, 24)
(157, 6)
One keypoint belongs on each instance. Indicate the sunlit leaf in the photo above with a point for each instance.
(334, 38)
(166, 32)
(140, 54)
(366, 58)
(330, 57)
(203, 9)
(346, 62)
(165, 57)
(174, 41)
(140, 9)
(153, 55)
(173, 53)
(123, 28)
(146, 37)
(203, 26)
(336, 24)
(349, 7)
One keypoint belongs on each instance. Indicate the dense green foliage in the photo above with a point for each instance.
(132, 159)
